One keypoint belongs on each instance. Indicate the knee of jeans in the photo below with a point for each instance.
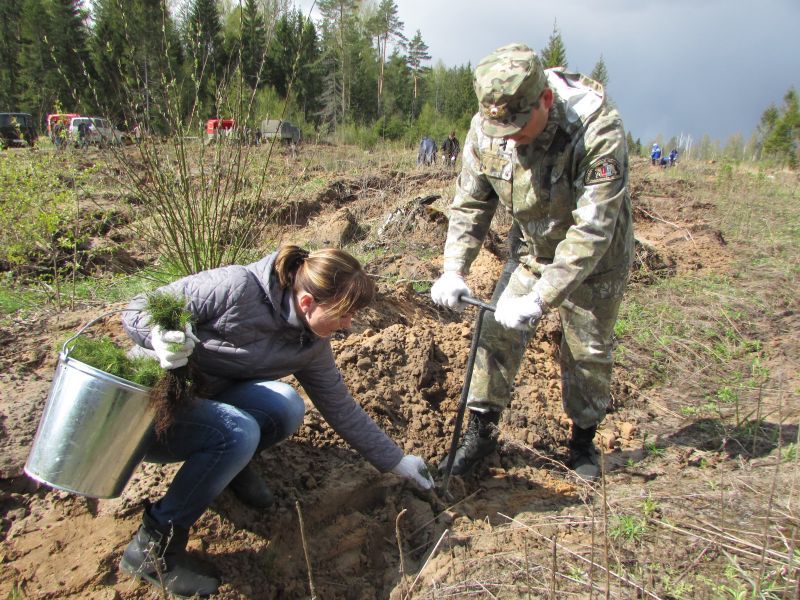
(245, 434)
(294, 405)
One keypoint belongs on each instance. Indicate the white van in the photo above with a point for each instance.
(98, 131)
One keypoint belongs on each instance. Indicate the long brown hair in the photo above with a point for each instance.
(332, 276)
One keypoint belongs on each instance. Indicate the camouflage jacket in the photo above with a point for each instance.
(567, 192)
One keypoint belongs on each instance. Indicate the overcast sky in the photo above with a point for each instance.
(675, 66)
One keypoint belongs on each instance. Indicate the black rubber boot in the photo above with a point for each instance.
(584, 458)
(157, 553)
(251, 489)
(479, 441)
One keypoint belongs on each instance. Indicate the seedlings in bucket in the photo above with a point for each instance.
(176, 389)
(104, 354)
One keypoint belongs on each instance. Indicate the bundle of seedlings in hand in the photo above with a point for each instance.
(104, 354)
(176, 388)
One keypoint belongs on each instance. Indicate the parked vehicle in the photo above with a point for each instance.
(53, 118)
(98, 131)
(283, 130)
(217, 129)
(17, 129)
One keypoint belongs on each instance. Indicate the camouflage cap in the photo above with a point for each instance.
(507, 83)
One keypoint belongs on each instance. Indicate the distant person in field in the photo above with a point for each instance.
(548, 149)
(655, 154)
(427, 152)
(83, 134)
(59, 135)
(450, 149)
(252, 325)
(673, 156)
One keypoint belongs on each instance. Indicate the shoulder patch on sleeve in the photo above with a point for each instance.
(602, 170)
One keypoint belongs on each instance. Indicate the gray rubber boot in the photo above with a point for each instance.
(251, 489)
(479, 441)
(584, 457)
(157, 553)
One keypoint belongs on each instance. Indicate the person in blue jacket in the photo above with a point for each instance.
(427, 152)
(655, 154)
(673, 156)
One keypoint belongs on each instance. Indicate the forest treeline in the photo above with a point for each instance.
(355, 67)
(145, 60)
(354, 70)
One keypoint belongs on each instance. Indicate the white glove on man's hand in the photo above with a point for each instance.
(173, 347)
(518, 312)
(414, 469)
(447, 290)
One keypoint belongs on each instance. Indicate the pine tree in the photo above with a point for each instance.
(389, 28)
(206, 54)
(364, 81)
(54, 60)
(36, 69)
(781, 130)
(600, 73)
(338, 22)
(450, 92)
(398, 98)
(253, 45)
(293, 60)
(308, 78)
(137, 57)
(554, 55)
(69, 48)
(10, 16)
(417, 54)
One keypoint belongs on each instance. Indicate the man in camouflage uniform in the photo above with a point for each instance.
(547, 146)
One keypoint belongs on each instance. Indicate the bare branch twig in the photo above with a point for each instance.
(312, 588)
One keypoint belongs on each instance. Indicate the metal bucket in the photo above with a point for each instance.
(94, 430)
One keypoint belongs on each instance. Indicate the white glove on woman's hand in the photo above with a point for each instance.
(447, 290)
(414, 469)
(518, 312)
(173, 347)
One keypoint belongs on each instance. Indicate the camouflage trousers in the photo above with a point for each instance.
(587, 318)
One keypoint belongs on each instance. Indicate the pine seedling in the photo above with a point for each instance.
(176, 388)
(168, 311)
(104, 354)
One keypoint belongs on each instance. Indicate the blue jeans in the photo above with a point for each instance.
(216, 439)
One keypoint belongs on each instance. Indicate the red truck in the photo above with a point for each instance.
(215, 128)
(63, 118)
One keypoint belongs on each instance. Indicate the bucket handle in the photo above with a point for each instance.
(65, 351)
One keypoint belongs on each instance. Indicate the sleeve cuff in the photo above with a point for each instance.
(455, 265)
(547, 294)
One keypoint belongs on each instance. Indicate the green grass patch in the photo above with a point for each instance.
(25, 295)
(628, 528)
(688, 328)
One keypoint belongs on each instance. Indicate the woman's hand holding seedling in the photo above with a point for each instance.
(173, 348)
(414, 469)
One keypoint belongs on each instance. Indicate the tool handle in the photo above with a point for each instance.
(475, 302)
(462, 405)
